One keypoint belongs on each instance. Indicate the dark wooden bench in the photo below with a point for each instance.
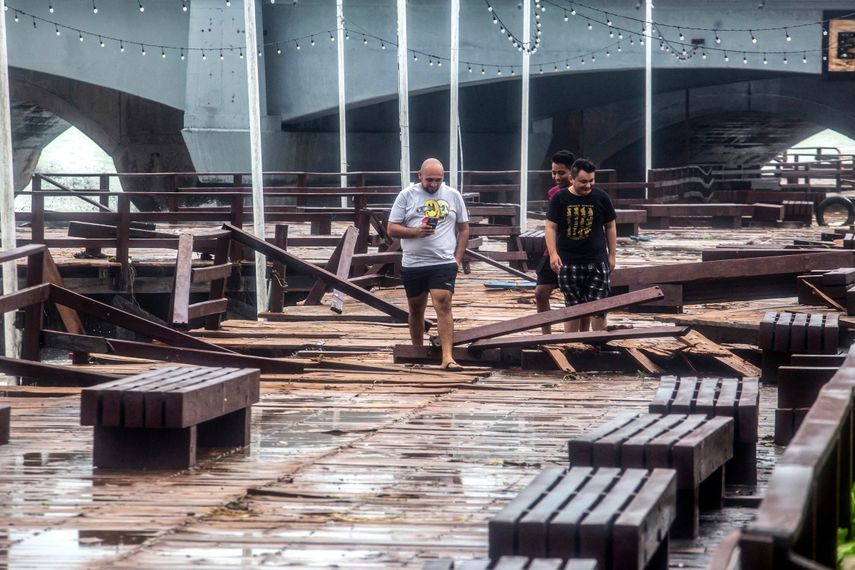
(737, 398)
(782, 334)
(620, 518)
(721, 215)
(799, 211)
(156, 420)
(5, 421)
(695, 446)
(798, 388)
(768, 212)
(513, 563)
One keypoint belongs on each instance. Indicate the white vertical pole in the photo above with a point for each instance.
(454, 86)
(648, 91)
(342, 119)
(7, 192)
(403, 94)
(255, 152)
(524, 119)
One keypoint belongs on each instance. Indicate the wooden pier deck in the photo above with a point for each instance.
(362, 469)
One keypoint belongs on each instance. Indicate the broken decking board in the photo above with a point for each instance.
(586, 337)
(354, 291)
(557, 315)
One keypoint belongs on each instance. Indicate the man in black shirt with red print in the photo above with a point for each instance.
(581, 237)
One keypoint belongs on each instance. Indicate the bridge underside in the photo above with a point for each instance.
(740, 117)
(723, 116)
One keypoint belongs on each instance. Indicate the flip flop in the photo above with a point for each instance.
(452, 367)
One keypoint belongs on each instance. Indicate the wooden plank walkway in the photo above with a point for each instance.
(362, 475)
(346, 469)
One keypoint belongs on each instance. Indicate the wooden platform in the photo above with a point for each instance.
(360, 469)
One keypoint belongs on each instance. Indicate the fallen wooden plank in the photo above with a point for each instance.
(731, 268)
(483, 258)
(699, 344)
(559, 358)
(557, 315)
(825, 298)
(128, 321)
(587, 337)
(643, 360)
(52, 373)
(170, 353)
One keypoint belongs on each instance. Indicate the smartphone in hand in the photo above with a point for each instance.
(432, 222)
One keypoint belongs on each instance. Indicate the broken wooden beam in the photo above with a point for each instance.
(699, 344)
(586, 337)
(557, 315)
(477, 256)
(163, 353)
(343, 267)
(52, 374)
(354, 291)
(126, 320)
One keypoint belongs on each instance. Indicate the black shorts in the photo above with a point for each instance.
(418, 280)
(545, 275)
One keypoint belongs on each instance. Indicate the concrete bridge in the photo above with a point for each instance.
(159, 112)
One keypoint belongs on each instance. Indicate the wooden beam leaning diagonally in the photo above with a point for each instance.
(126, 320)
(53, 373)
(316, 293)
(483, 258)
(589, 336)
(343, 269)
(170, 353)
(354, 291)
(558, 315)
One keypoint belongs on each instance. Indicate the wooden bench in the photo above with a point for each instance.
(5, 421)
(620, 518)
(513, 563)
(737, 398)
(799, 211)
(663, 216)
(768, 213)
(695, 446)
(782, 334)
(156, 419)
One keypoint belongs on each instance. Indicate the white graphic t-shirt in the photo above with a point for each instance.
(415, 205)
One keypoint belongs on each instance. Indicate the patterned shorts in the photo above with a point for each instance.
(582, 282)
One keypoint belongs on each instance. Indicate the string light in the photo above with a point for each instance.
(765, 61)
(142, 8)
(100, 41)
(142, 49)
(162, 53)
(786, 31)
(682, 37)
(122, 46)
(753, 38)
(57, 30)
(183, 6)
(94, 7)
(80, 36)
(312, 42)
(717, 39)
(50, 8)
(182, 54)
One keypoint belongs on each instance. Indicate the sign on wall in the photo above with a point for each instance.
(838, 45)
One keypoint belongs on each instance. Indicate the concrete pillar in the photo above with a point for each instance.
(216, 114)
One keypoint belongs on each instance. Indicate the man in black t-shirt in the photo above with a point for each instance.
(581, 237)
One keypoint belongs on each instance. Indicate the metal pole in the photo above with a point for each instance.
(526, 61)
(403, 94)
(7, 192)
(454, 86)
(648, 91)
(255, 153)
(342, 119)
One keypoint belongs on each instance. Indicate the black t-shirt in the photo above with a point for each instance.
(581, 224)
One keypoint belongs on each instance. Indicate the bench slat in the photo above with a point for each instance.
(703, 451)
(633, 451)
(533, 529)
(502, 526)
(685, 394)
(636, 532)
(606, 450)
(709, 394)
(659, 449)
(562, 531)
(662, 399)
(580, 447)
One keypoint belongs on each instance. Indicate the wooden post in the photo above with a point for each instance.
(218, 286)
(277, 281)
(123, 235)
(33, 313)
